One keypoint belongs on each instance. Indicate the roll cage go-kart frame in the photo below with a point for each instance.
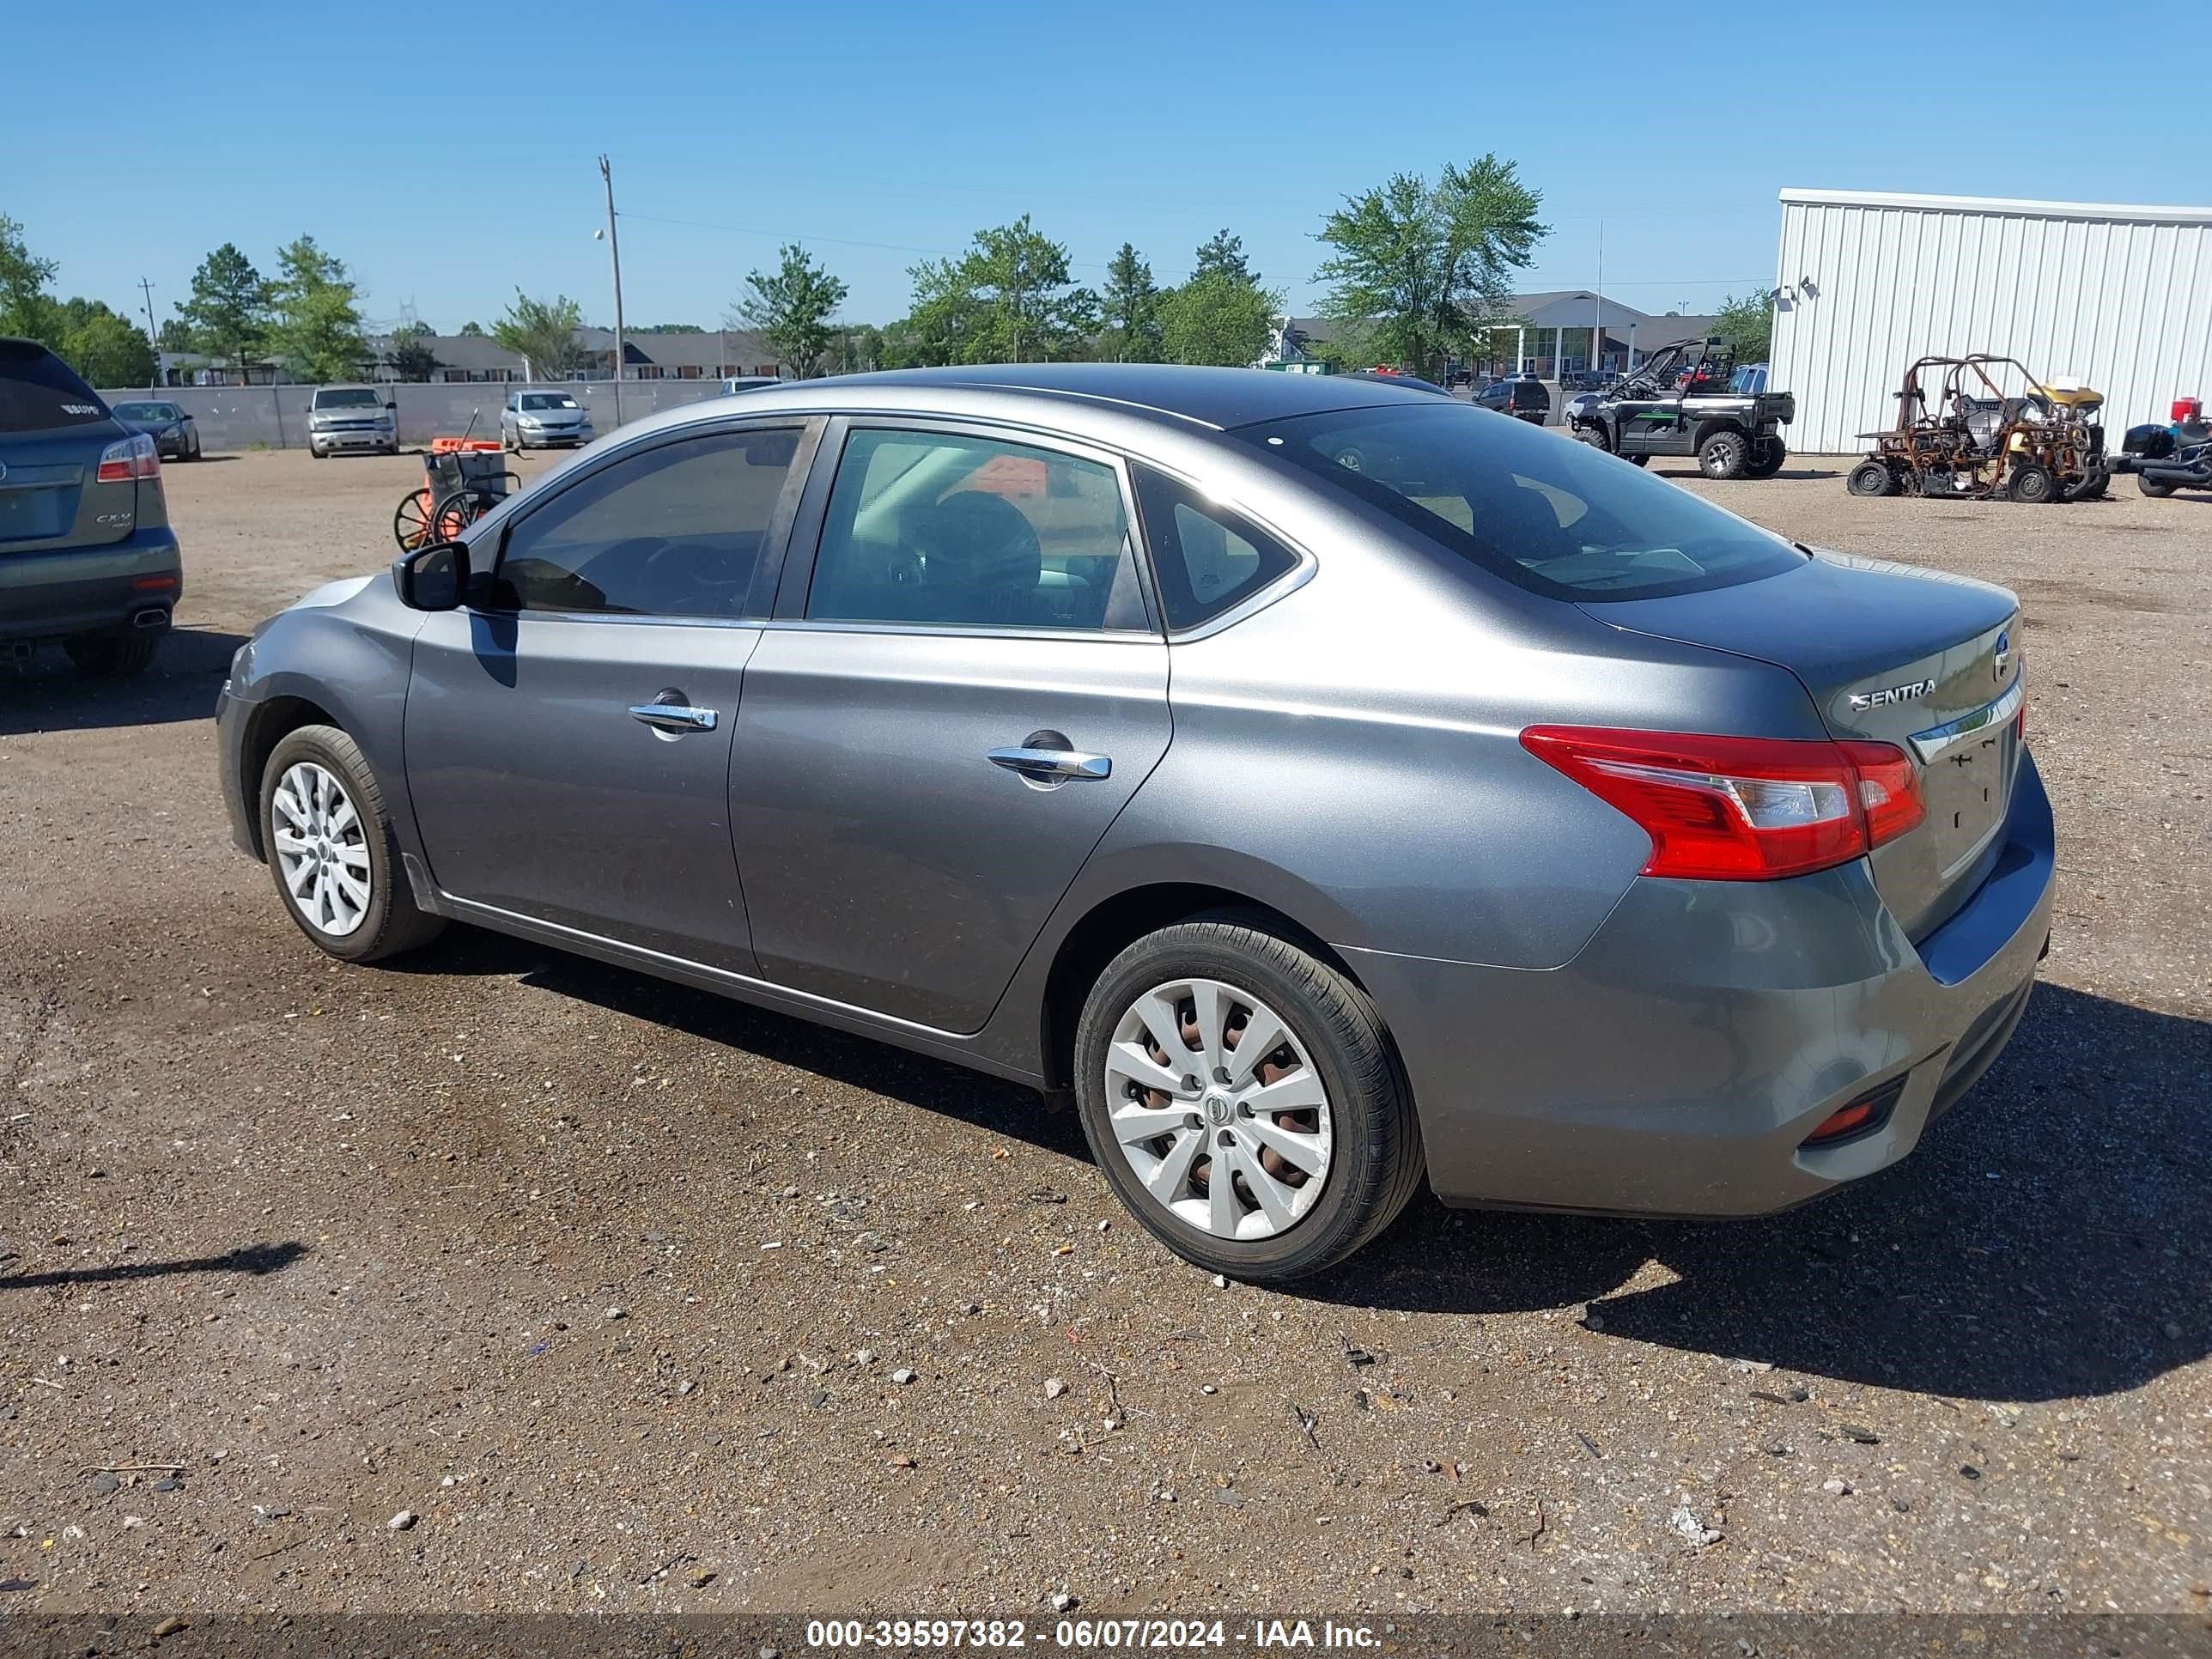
(2039, 444)
(1678, 402)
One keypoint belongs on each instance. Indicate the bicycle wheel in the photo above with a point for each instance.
(410, 524)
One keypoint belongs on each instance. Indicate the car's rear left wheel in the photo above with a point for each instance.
(1723, 455)
(332, 851)
(1242, 1098)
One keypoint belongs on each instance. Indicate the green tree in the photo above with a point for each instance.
(1429, 265)
(1130, 307)
(1008, 300)
(543, 333)
(176, 336)
(228, 312)
(1224, 253)
(409, 353)
(473, 329)
(791, 309)
(1217, 318)
(317, 334)
(25, 305)
(106, 348)
(1747, 325)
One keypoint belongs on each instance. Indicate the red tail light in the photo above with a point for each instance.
(129, 458)
(1741, 809)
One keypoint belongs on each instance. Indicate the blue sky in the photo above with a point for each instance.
(447, 154)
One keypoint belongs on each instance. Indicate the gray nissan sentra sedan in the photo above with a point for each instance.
(1332, 785)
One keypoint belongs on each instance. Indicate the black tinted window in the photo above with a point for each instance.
(675, 531)
(38, 392)
(1206, 557)
(1536, 508)
(934, 528)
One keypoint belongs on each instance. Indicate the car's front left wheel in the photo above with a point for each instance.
(1244, 1099)
(332, 851)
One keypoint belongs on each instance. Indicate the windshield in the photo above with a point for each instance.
(548, 400)
(146, 412)
(348, 398)
(1541, 510)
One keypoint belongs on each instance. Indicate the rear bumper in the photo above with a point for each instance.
(1677, 1064)
(80, 590)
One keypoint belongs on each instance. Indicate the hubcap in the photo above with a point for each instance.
(322, 850)
(1218, 1109)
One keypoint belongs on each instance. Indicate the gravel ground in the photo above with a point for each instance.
(640, 1301)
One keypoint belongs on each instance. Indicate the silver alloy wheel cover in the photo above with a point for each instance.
(1228, 1119)
(321, 847)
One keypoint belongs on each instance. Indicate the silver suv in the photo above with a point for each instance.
(352, 417)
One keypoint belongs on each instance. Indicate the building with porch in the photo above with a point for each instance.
(1560, 331)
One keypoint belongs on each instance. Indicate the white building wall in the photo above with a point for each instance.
(2120, 297)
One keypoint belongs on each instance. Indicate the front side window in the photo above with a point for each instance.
(674, 530)
(1557, 517)
(932, 528)
(1205, 557)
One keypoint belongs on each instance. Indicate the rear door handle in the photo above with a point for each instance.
(1057, 764)
(674, 716)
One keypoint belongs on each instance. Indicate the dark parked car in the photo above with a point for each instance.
(1335, 787)
(176, 436)
(1524, 397)
(87, 556)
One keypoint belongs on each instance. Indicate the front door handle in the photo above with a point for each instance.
(1055, 764)
(674, 716)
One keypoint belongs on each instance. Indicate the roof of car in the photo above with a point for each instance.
(1221, 398)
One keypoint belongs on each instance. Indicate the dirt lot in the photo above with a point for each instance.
(572, 1265)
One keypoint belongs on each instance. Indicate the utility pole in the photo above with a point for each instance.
(153, 331)
(1597, 340)
(614, 255)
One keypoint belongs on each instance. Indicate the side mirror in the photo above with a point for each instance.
(392, 403)
(433, 577)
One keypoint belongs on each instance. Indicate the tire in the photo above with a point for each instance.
(1638, 460)
(2157, 489)
(2033, 484)
(1362, 1132)
(1870, 479)
(1595, 436)
(1724, 455)
(319, 454)
(330, 913)
(1767, 455)
(117, 654)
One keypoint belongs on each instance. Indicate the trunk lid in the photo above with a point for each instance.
(50, 495)
(1922, 659)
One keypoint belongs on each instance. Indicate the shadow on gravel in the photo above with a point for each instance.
(49, 695)
(257, 1259)
(935, 1086)
(2040, 1242)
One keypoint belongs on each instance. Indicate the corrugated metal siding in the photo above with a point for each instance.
(2123, 303)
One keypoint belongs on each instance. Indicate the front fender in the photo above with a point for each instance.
(323, 657)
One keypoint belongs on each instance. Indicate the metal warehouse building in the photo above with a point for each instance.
(2119, 297)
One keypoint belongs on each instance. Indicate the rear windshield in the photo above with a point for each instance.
(37, 391)
(148, 412)
(353, 397)
(548, 400)
(1538, 508)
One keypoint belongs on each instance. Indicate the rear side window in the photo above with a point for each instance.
(938, 528)
(1553, 516)
(38, 392)
(1207, 558)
